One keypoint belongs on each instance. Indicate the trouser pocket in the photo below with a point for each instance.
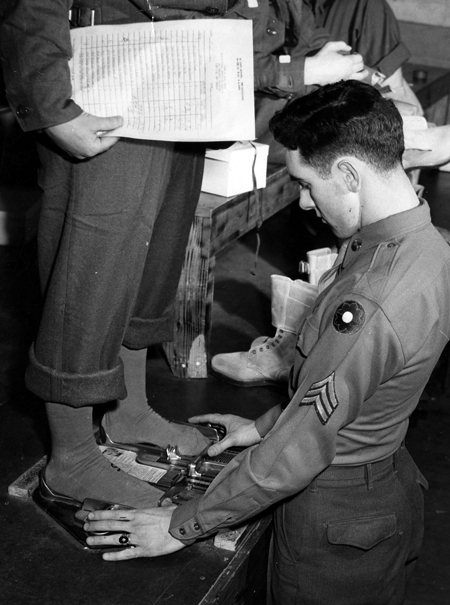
(363, 532)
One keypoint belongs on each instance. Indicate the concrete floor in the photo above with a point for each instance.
(40, 564)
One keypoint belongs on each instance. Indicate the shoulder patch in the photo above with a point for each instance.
(322, 396)
(349, 317)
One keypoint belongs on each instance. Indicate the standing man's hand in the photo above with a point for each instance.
(425, 148)
(83, 137)
(332, 63)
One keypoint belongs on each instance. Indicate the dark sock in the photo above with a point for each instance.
(134, 421)
(78, 469)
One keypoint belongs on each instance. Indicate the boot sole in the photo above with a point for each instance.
(261, 382)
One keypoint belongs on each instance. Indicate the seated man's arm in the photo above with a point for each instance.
(301, 444)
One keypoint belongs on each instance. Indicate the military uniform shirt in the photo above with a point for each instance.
(363, 357)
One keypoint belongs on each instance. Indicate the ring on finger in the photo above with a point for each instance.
(124, 539)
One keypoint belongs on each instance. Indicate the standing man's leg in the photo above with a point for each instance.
(96, 231)
(153, 318)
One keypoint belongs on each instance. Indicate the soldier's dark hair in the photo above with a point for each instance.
(346, 118)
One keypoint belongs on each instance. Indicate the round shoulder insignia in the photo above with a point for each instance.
(349, 317)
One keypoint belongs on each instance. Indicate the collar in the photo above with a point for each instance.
(391, 228)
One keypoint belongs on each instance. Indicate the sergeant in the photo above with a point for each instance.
(349, 515)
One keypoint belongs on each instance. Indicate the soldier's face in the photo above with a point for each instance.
(330, 197)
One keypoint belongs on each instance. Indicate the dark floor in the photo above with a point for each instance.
(40, 564)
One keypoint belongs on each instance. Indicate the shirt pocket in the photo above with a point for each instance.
(308, 335)
(362, 532)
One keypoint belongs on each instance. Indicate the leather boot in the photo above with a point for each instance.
(269, 360)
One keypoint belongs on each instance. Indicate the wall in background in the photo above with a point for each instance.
(425, 29)
(432, 12)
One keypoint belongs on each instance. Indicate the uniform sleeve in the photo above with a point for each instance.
(35, 49)
(344, 353)
(267, 421)
(281, 27)
(303, 39)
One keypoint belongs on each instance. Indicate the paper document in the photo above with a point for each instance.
(126, 461)
(174, 80)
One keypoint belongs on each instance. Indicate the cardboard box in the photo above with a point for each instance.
(229, 171)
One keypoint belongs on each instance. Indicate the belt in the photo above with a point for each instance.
(337, 472)
(81, 16)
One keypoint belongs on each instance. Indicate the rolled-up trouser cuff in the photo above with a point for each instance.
(76, 390)
(142, 333)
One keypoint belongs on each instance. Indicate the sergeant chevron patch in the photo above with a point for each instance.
(322, 395)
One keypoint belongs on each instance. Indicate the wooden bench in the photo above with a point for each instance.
(218, 222)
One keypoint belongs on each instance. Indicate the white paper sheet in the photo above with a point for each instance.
(126, 461)
(176, 80)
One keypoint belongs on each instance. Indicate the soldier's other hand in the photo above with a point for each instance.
(240, 431)
(84, 136)
(334, 62)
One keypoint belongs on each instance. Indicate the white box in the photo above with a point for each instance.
(229, 171)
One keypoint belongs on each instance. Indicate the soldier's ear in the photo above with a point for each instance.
(350, 173)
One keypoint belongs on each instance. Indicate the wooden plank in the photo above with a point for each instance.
(187, 354)
(24, 485)
(244, 581)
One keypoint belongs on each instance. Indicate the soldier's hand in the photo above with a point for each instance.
(334, 62)
(147, 531)
(84, 136)
(240, 431)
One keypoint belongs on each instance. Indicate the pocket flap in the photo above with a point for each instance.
(362, 532)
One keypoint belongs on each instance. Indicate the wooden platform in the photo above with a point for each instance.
(222, 570)
(218, 222)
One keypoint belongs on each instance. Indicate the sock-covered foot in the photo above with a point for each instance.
(133, 421)
(78, 469)
(95, 477)
(122, 426)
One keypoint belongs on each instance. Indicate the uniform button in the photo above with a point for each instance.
(391, 245)
(271, 31)
(182, 531)
(212, 10)
(356, 245)
(22, 111)
(196, 526)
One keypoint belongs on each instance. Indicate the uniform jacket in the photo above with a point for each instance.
(35, 47)
(363, 358)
